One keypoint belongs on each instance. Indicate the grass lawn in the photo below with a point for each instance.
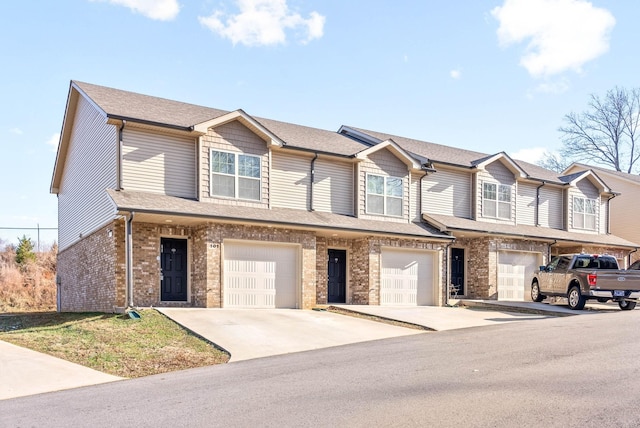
(112, 343)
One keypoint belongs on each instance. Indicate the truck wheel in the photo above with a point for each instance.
(626, 305)
(536, 296)
(576, 301)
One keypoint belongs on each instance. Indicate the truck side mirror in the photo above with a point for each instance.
(543, 268)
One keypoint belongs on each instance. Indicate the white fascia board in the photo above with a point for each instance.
(398, 151)
(245, 119)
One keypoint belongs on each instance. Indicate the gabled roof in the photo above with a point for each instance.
(573, 179)
(634, 178)
(446, 155)
(504, 159)
(125, 105)
(394, 148)
(246, 120)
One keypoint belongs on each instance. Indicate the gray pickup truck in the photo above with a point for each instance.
(580, 277)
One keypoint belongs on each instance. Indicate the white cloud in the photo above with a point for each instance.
(455, 74)
(53, 142)
(161, 10)
(562, 34)
(264, 22)
(16, 131)
(532, 155)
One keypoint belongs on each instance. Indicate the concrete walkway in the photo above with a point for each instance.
(26, 372)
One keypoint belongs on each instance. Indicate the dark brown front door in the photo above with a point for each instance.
(337, 270)
(173, 263)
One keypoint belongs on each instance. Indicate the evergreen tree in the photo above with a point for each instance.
(24, 251)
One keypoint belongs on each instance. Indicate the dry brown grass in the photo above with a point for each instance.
(28, 288)
(112, 343)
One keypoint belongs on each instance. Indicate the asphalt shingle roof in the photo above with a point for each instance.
(144, 202)
(461, 224)
(124, 104)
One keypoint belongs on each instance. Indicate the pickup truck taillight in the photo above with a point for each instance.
(592, 278)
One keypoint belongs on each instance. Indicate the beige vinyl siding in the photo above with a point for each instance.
(447, 192)
(333, 186)
(496, 172)
(550, 207)
(415, 197)
(290, 180)
(584, 189)
(383, 163)
(158, 163)
(237, 138)
(90, 168)
(624, 208)
(526, 204)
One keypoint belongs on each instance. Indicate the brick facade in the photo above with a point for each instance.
(102, 274)
(91, 273)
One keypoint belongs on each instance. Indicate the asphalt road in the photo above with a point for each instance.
(577, 371)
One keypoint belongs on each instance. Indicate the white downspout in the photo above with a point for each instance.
(129, 261)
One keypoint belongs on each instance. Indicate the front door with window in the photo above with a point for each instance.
(457, 272)
(173, 263)
(337, 270)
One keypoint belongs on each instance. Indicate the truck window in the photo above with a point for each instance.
(563, 263)
(607, 263)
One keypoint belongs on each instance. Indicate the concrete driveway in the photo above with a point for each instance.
(256, 333)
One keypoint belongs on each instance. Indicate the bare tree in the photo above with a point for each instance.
(606, 133)
(554, 162)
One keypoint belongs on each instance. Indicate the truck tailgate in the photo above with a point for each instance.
(617, 280)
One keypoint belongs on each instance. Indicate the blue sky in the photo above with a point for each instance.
(484, 75)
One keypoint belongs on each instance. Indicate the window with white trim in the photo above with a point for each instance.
(384, 195)
(235, 175)
(496, 201)
(584, 213)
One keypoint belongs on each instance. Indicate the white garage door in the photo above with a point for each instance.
(407, 277)
(515, 269)
(257, 275)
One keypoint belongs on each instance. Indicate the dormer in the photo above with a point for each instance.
(587, 199)
(384, 182)
(496, 178)
(234, 153)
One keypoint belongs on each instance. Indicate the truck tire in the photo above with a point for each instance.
(536, 296)
(626, 305)
(576, 300)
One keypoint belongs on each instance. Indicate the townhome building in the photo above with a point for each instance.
(164, 203)
(625, 203)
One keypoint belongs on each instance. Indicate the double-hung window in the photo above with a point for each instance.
(384, 195)
(496, 201)
(584, 213)
(235, 175)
